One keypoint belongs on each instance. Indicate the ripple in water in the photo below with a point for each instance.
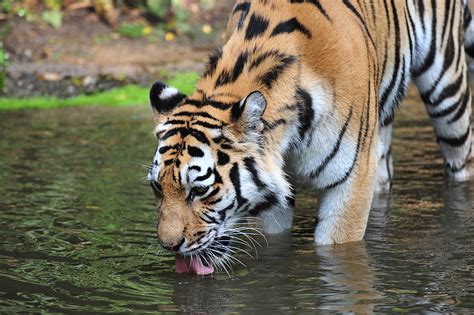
(78, 230)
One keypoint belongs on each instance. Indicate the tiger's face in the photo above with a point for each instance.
(207, 172)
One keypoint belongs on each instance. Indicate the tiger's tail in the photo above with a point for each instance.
(468, 30)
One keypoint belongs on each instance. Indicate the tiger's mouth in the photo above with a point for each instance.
(202, 262)
(188, 264)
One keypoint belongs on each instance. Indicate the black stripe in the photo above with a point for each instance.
(222, 213)
(316, 3)
(396, 68)
(305, 113)
(349, 5)
(236, 111)
(200, 136)
(270, 201)
(372, 11)
(218, 105)
(195, 167)
(250, 166)
(367, 116)
(210, 203)
(244, 7)
(195, 151)
(421, 9)
(257, 26)
(467, 17)
(208, 102)
(206, 125)
(455, 142)
(214, 192)
(446, 18)
(200, 235)
(429, 61)
(450, 109)
(273, 74)
(387, 164)
(222, 140)
(266, 55)
(387, 17)
(356, 155)
(217, 177)
(222, 158)
(291, 26)
(270, 125)
(175, 122)
(208, 219)
(447, 92)
(235, 179)
(196, 103)
(213, 60)
(171, 133)
(410, 40)
(465, 101)
(448, 54)
(334, 151)
(398, 96)
(205, 176)
(227, 77)
(166, 148)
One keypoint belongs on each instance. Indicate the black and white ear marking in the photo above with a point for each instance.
(164, 98)
(250, 109)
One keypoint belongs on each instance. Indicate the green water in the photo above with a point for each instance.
(77, 227)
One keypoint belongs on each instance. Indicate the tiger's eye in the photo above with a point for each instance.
(197, 191)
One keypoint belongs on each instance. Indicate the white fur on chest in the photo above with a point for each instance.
(315, 157)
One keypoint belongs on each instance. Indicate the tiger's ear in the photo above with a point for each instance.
(164, 98)
(247, 115)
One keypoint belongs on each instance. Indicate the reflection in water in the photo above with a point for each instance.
(78, 230)
(347, 268)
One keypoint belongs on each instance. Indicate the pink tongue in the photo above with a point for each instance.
(185, 264)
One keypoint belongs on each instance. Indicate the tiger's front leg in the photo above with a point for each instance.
(345, 203)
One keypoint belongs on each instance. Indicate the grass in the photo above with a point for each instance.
(123, 96)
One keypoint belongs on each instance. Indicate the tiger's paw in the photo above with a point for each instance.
(464, 173)
(382, 185)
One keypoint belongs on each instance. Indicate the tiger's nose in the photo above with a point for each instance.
(173, 246)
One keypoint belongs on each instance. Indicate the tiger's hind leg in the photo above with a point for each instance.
(444, 88)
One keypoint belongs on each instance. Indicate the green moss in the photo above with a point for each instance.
(127, 95)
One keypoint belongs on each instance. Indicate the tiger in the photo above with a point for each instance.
(307, 88)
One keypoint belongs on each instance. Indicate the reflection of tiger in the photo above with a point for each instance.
(311, 85)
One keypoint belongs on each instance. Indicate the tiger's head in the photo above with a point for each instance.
(210, 170)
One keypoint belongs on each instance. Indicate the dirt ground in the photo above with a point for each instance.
(85, 55)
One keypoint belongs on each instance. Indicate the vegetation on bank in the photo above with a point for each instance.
(127, 95)
(131, 18)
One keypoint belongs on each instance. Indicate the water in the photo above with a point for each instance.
(78, 230)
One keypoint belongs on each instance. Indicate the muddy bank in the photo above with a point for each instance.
(85, 55)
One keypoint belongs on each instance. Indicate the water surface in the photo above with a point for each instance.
(77, 225)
